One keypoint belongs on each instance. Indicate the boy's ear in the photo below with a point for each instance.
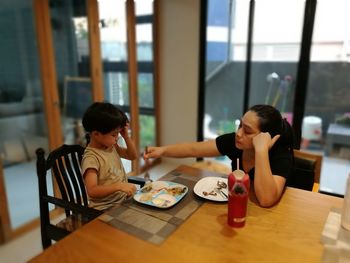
(94, 133)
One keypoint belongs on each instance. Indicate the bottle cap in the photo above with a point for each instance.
(238, 174)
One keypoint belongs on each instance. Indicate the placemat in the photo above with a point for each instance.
(150, 223)
(335, 238)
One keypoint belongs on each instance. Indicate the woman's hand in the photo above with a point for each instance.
(153, 152)
(264, 141)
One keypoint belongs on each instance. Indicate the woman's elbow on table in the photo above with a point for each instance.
(268, 200)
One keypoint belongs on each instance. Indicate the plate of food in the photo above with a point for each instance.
(212, 188)
(161, 194)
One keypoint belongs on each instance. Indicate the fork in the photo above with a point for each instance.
(219, 191)
(221, 185)
(147, 175)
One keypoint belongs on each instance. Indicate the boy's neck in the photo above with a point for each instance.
(96, 145)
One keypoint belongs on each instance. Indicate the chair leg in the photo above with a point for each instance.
(316, 187)
(46, 242)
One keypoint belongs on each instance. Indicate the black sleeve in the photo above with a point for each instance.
(225, 142)
(281, 162)
(226, 146)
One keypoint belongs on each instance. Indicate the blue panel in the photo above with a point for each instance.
(216, 51)
(218, 11)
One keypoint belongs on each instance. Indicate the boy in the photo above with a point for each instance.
(103, 172)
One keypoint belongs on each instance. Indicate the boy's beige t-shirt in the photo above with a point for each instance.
(109, 170)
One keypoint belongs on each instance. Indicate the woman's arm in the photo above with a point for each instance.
(184, 150)
(99, 191)
(268, 187)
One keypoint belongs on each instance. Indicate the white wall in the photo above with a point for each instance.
(179, 59)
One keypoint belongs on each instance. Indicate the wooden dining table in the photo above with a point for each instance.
(290, 231)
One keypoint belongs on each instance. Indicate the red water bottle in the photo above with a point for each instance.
(238, 192)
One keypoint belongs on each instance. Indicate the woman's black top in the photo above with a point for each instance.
(279, 155)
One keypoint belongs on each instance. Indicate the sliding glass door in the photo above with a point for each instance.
(290, 54)
(23, 126)
(57, 57)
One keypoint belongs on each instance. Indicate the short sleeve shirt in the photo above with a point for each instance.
(279, 156)
(109, 169)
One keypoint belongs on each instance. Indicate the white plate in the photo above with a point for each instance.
(207, 184)
(161, 194)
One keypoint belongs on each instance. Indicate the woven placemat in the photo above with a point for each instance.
(155, 224)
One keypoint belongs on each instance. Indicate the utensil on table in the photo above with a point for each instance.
(221, 185)
(147, 175)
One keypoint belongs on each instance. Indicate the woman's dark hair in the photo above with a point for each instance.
(103, 117)
(271, 121)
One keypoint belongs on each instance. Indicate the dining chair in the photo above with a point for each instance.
(306, 171)
(70, 195)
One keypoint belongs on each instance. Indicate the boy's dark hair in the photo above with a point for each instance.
(103, 117)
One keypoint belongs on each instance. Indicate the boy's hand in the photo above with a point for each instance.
(128, 188)
(124, 132)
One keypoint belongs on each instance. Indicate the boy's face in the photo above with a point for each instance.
(106, 140)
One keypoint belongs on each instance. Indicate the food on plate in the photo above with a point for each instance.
(161, 194)
(161, 202)
(210, 193)
(146, 188)
(145, 197)
(178, 190)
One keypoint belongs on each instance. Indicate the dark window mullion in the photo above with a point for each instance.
(144, 19)
(303, 69)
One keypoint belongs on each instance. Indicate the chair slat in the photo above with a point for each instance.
(64, 164)
(76, 164)
(73, 174)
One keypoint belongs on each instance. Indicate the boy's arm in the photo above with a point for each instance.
(99, 191)
(130, 151)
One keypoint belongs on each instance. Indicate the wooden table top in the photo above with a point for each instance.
(287, 232)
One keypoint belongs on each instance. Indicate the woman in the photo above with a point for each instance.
(263, 143)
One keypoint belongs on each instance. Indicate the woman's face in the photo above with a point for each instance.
(248, 128)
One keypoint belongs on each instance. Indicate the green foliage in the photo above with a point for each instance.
(147, 131)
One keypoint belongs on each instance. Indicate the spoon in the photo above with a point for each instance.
(221, 184)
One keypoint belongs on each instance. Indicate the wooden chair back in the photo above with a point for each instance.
(317, 158)
(307, 170)
(64, 164)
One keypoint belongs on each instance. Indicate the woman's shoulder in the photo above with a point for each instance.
(280, 151)
(226, 136)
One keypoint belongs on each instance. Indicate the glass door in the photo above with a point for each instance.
(23, 126)
(70, 38)
(225, 42)
(326, 122)
(114, 53)
(275, 53)
(145, 33)
(126, 30)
